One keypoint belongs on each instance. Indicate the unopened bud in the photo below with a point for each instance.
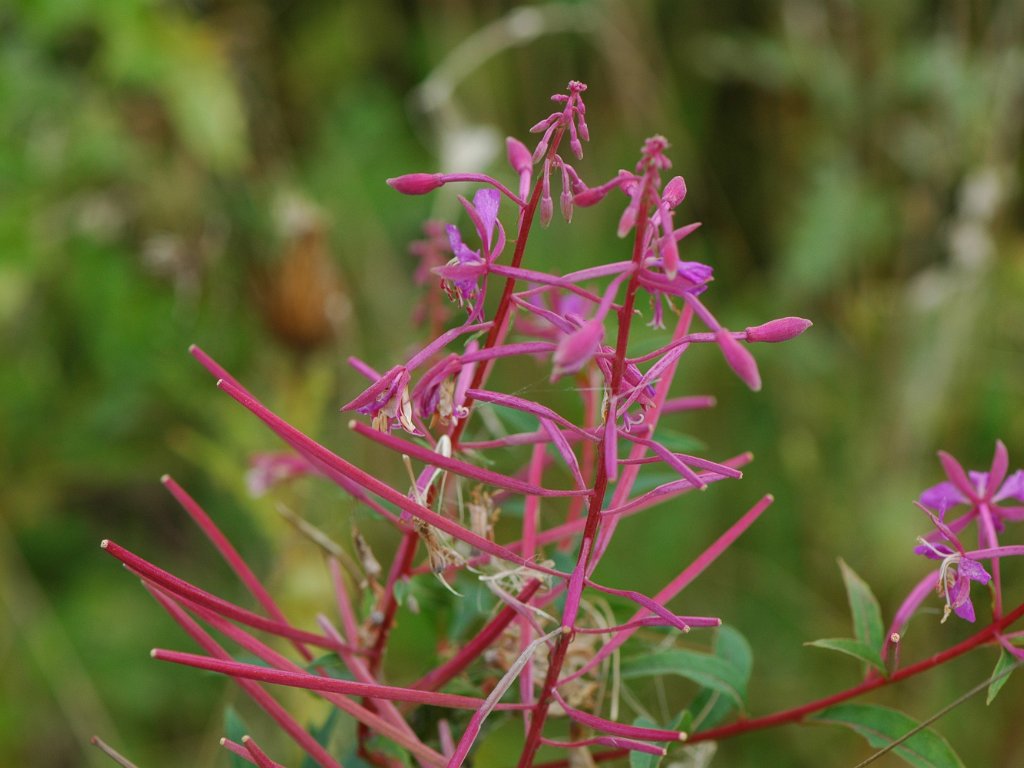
(416, 183)
(547, 205)
(783, 329)
(674, 192)
(581, 124)
(565, 200)
(739, 359)
(547, 210)
(519, 156)
(576, 349)
(669, 256)
(589, 197)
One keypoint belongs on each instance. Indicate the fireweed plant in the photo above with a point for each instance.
(554, 646)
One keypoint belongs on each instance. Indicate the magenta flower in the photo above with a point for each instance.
(956, 572)
(691, 277)
(387, 401)
(463, 276)
(978, 489)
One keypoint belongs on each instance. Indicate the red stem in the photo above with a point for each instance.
(796, 714)
(625, 316)
(505, 303)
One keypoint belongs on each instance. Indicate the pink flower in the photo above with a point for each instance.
(956, 572)
(463, 276)
(387, 401)
(978, 489)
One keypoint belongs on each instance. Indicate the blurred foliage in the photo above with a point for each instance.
(211, 172)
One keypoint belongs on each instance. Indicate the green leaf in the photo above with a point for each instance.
(854, 648)
(391, 749)
(235, 728)
(702, 668)
(882, 726)
(1000, 674)
(331, 665)
(867, 616)
(322, 734)
(645, 760)
(679, 442)
(709, 708)
(515, 421)
(732, 646)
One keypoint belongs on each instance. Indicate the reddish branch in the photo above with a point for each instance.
(796, 714)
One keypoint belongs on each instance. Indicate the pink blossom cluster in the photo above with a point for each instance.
(578, 478)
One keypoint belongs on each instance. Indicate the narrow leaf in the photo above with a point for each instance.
(867, 616)
(235, 728)
(854, 648)
(1000, 674)
(322, 733)
(730, 645)
(881, 726)
(702, 668)
(711, 708)
(646, 760)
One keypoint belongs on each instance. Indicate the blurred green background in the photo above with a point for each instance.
(212, 172)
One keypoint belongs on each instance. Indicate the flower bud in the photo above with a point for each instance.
(674, 192)
(416, 183)
(577, 348)
(739, 359)
(519, 156)
(669, 256)
(547, 210)
(591, 196)
(565, 201)
(783, 329)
